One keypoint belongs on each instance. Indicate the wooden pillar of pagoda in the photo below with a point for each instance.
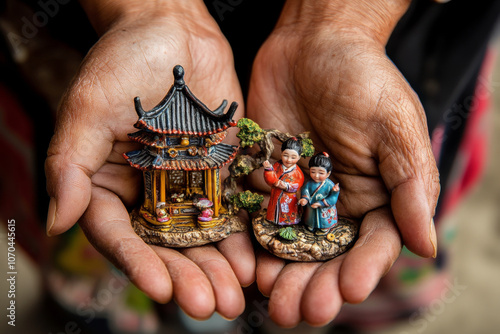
(216, 192)
(212, 189)
(163, 177)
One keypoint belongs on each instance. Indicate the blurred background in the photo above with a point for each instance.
(62, 285)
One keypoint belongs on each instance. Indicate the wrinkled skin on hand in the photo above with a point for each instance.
(89, 181)
(308, 76)
(358, 107)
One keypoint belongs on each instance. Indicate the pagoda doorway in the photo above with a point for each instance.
(179, 189)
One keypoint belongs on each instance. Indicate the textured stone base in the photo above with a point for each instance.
(308, 246)
(184, 236)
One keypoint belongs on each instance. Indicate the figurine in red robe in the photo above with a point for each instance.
(285, 178)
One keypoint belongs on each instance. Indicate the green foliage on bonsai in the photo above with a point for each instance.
(247, 200)
(250, 132)
(288, 233)
(242, 167)
(307, 148)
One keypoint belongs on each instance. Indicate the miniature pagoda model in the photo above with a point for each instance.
(180, 161)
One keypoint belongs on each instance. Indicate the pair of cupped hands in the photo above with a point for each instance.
(323, 70)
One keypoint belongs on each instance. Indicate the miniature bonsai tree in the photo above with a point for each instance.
(247, 200)
(250, 134)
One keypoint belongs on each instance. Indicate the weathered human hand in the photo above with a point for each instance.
(88, 179)
(324, 70)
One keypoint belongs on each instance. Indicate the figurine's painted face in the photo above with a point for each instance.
(289, 157)
(318, 174)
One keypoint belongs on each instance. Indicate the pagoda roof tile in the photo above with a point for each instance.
(180, 112)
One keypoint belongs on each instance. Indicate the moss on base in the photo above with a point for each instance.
(308, 246)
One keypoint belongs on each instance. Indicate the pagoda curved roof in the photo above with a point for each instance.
(219, 156)
(180, 112)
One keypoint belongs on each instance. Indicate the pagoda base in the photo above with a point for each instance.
(183, 233)
(308, 246)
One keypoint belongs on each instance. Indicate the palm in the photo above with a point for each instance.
(86, 169)
(138, 61)
(359, 109)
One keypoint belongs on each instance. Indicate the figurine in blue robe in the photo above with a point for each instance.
(319, 196)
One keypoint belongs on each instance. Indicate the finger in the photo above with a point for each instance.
(106, 224)
(373, 254)
(229, 299)
(322, 300)
(268, 270)
(239, 252)
(285, 299)
(192, 289)
(413, 217)
(409, 171)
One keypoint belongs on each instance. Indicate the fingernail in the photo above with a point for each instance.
(51, 215)
(264, 294)
(226, 318)
(433, 237)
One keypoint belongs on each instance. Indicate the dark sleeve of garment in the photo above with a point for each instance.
(440, 49)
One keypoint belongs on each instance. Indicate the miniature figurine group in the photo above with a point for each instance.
(183, 203)
(318, 196)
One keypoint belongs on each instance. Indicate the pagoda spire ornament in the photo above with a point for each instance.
(181, 158)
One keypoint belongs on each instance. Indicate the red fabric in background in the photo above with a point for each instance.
(18, 193)
(471, 159)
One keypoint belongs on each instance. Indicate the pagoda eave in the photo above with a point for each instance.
(141, 124)
(144, 161)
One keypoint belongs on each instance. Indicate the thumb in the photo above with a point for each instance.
(409, 171)
(77, 150)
